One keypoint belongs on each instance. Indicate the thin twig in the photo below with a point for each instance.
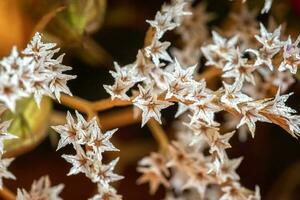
(159, 134)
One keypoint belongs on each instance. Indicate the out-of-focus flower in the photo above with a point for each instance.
(41, 189)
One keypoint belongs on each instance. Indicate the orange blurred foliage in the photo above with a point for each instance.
(15, 26)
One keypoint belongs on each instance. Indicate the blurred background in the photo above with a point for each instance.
(93, 34)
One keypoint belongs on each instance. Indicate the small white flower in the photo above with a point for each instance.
(269, 40)
(150, 106)
(162, 23)
(41, 189)
(158, 50)
(233, 96)
(180, 81)
(250, 115)
(105, 174)
(291, 57)
(118, 90)
(80, 162)
(100, 143)
(70, 133)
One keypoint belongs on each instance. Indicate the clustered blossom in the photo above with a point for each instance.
(195, 165)
(186, 172)
(34, 71)
(41, 189)
(149, 68)
(163, 80)
(90, 143)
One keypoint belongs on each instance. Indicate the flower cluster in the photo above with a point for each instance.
(186, 172)
(195, 165)
(41, 189)
(89, 143)
(150, 66)
(163, 81)
(35, 71)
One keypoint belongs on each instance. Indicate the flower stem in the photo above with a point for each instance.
(159, 135)
(108, 103)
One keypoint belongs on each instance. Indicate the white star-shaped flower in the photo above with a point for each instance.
(291, 57)
(70, 133)
(233, 95)
(158, 50)
(150, 106)
(162, 23)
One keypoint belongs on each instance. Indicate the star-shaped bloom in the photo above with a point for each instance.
(250, 115)
(222, 45)
(152, 176)
(179, 157)
(150, 106)
(41, 189)
(233, 96)
(162, 23)
(58, 85)
(204, 109)
(105, 174)
(70, 133)
(228, 169)
(100, 143)
(199, 180)
(143, 67)
(269, 40)
(10, 92)
(291, 57)
(180, 81)
(240, 69)
(218, 52)
(157, 161)
(13, 62)
(118, 90)
(80, 161)
(218, 143)
(125, 74)
(277, 105)
(158, 50)
(38, 49)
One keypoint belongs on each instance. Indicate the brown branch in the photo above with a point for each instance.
(114, 119)
(77, 103)
(118, 119)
